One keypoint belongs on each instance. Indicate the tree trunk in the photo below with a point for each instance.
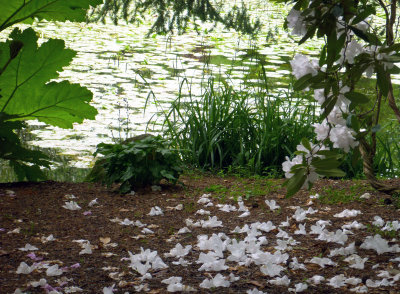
(367, 154)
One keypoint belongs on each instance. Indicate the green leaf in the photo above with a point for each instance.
(322, 58)
(310, 33)
(294, 184)
(356, 97)
(352, 122)
(394, 47)
(329, 153)
(25, 93)
(355, 157)
(382, 80)
(16, 11)
(325, 163)
(334, 172)
(306, 143)
(302, 83)
(369, 10)
(367, 37)
(328, 106)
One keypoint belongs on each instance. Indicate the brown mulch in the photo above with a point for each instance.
(36, 208)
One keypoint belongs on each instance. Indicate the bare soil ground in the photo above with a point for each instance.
(30, 212)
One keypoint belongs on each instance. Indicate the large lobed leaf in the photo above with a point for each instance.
(17, 11)
(24, 91)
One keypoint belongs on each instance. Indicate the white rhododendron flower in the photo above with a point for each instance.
(337, 281)
(226, 207)
(302, 66)
(211, 262)
(316, 279)
(280, 281)
(40, 283)
(295, 265)
(245, 214)
(300, 287)
(175, 285)
(343, 137)
(391, 226)
(93, 202)
(179, 251)
(322, 262)
(356, 261)
(108, 290)
(338, 237)
(25, 269)
(218, 281)
(72, 289)
(322, 130)
(155, 211)
(271, 269)
(145, 260)
(71, 205)
(354, 225)
(312, 176)
(301, 230)
(296, 23)
(344, 250)
(184, 230)
(28, 247)
(272, 204)
(319, 96)
(378, 221)
(255, 291)
(147, 231)
(54, 270)
(86, 248)
(181, 262)
(348, 213)
(212, 222)
(350, 51)
(203, 212)
(335, 117)
(377, 243)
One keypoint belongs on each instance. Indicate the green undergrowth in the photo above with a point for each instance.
(246, 188)
(247, 129)
(333, 195)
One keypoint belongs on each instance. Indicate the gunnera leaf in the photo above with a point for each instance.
(25, 87)
(16, 11)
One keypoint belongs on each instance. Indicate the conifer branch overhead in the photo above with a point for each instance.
(175, 15)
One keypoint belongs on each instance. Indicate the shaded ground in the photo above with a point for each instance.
(30, 212)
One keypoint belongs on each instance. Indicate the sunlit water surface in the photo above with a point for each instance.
(123, 68)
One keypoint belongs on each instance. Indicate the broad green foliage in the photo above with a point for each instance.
(59, 104)
(25, 73)
(17, 11)
(137, 163)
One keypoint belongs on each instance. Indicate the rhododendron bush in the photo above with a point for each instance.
(358, 46)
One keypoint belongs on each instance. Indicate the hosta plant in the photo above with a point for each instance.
(136, 163)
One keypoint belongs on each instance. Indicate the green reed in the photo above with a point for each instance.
(249, 129)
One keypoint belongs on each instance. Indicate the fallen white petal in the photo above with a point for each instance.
(28, 247)
(54, 270)
(72, 205)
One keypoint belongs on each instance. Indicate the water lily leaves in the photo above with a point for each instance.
(23, 82)
(17, 11)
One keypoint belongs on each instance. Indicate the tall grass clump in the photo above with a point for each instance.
(249, 130)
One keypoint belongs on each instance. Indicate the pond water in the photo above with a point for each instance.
(123, 67)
